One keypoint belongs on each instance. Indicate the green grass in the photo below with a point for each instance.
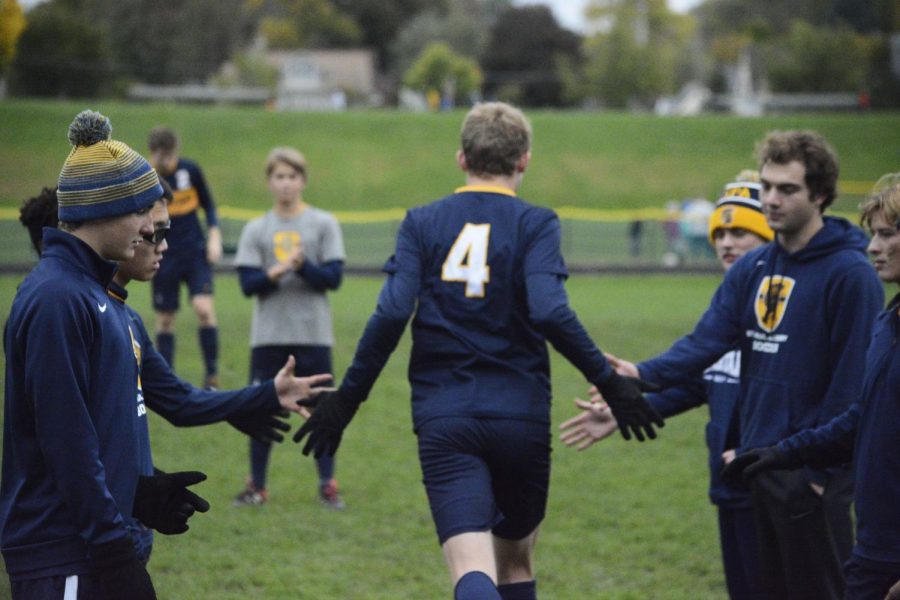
(371, 160)
(625, 520)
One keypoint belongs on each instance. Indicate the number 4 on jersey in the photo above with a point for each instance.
(467, 259)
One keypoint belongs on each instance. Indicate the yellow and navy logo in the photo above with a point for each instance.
(285, 243)
(772, 299)
(728, 216)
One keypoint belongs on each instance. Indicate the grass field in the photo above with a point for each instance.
(625, 520)
(377, 160)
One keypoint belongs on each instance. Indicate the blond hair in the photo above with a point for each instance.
(494, 137)
(289, 156)
(885, 198)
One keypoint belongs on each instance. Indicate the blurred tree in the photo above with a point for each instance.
(380, 20)
(639, 51)
(523, 57)
(440, 69)
(60, 53)
(818, 59)
(464, 27)
(306, 24)
(12, 23)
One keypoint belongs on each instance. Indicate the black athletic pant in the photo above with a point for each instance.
(804, 538)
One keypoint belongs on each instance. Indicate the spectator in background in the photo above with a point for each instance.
(289, 259)
(192, 256)
(736, 227)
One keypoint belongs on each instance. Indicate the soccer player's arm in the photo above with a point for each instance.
(252, 277)
(717, 332)
(57, 378)
(857, 299)
(328, 273)
(214, 234)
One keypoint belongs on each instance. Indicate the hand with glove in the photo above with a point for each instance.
(754, 462)
(120, 574)
(262, 426)
(163, 502)
(625, 397)
(331, 415)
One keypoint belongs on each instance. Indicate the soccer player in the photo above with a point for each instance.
(482, 271)
(736, 227)
(801, 311)
(289, 259)
(191, 257)
(867, 433)
(162, 501)
(72, 420)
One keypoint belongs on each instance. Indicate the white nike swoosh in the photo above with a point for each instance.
(102, 308)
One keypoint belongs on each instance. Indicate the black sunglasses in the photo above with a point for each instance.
(159, 234)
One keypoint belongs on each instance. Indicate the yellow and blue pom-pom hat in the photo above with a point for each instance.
(101, 177)
(740, 207)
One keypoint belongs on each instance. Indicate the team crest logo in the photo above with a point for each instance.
(285, 244)
(771, 301)
(727, 216)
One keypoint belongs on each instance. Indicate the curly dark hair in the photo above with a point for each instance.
(812, 150)
(39, 212)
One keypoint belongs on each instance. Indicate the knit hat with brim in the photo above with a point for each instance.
(740, 208)
(103, 178)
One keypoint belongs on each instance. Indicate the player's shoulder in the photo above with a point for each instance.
(319, 215)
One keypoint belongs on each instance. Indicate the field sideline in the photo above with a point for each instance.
(625, 520)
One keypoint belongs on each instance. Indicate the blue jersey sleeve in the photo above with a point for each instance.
(206, 200)
(676, 400)
(830, 445)
(396, 304)
(182, 404)
(254, 281)
(326, 276)
(548, 304)
(717, 332)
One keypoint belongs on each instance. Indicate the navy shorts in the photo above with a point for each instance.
(485, 475)
(266, 361)
(192, 270)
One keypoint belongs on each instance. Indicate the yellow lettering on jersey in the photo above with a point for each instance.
(285, 243)
(184, 202)
(467, 259)
(136, 348)
(772, 299)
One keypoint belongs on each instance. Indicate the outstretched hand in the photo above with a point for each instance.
(163, 502)
(291, 389)
(331, 415)
(625, 397)
(594, 423)
(262, 426)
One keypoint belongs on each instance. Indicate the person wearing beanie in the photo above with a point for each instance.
(800, 309)
(192, 255)
(72, 417)
(866, 434)
(736, 227)
(253, 410)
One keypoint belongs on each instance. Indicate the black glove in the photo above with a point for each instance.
(163, 502)
(262, 426)
(753, 462)
(119, 572)
(331, 414)
(625, 398)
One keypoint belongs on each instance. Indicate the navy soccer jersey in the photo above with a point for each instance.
(191, 193)
(484, 273)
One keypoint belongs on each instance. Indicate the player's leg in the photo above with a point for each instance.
(200, 286)
(313, 360)
(458, 484)
(740, 554)
(165, 287)
(520, 471)
(265, 361)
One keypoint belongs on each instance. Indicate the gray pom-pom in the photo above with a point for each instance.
(88, 128)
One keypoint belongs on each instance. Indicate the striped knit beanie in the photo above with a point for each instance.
(103, 178)
(739, 207)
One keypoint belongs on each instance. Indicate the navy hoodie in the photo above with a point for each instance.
(873, 423)
(74, 429)
(802, 322)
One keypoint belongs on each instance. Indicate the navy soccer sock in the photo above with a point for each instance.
(522, 590)
(475, 585)
(165, 344)
(209, 344)
(259, 462)
(325, 467)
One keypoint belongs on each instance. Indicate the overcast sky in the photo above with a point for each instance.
(570, 13)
